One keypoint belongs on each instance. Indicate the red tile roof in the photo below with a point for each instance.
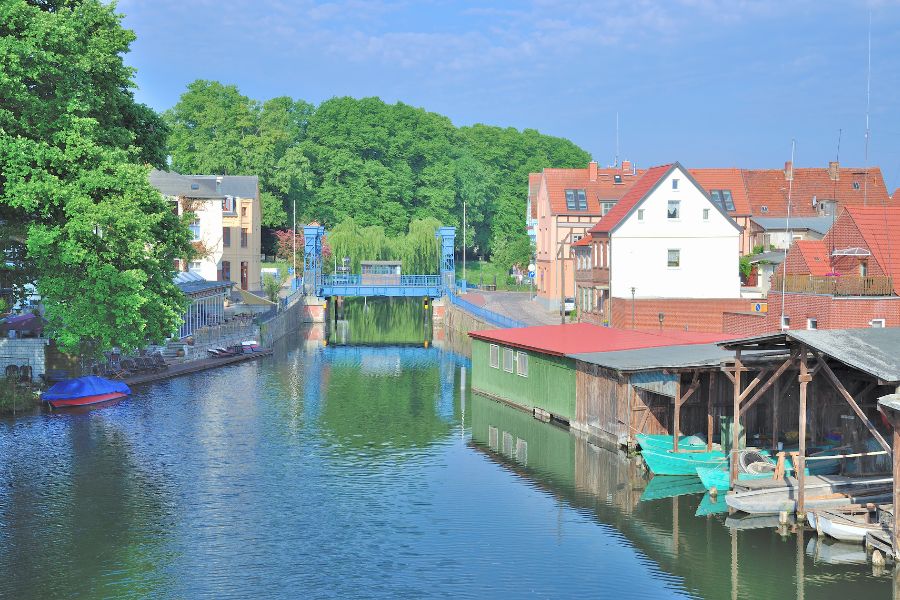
(575, 338)
(879, 226)
(896, 195)
(604, 188)
(768, 188)
(815, 254)
(637, 193)
(585, 241)
(725, 179)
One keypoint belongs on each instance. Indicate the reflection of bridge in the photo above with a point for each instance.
(316, 283)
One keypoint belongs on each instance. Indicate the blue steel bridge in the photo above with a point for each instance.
(316, 283)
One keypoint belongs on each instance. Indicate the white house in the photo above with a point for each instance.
(665, 238)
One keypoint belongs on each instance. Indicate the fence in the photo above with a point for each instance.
(844, 285)
(485, 314)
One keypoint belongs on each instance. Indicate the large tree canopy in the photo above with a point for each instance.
(382, 165)
(74, 154)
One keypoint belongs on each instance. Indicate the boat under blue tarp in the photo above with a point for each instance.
(84, 390)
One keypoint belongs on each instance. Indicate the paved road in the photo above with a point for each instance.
(519, 306)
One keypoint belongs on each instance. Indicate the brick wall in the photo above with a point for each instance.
(682, 314)
(830, 312)
(744, 324)
(24, 351)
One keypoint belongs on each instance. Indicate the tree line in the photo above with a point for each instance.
(382, 165)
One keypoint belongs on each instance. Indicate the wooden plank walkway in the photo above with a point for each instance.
(194, 366)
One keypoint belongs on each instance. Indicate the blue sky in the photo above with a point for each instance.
(711, 83)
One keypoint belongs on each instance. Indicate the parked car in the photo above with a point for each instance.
(569, 305)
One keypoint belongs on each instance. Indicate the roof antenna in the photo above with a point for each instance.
(616, 163)
(837, 158)
(868, 102)
(787, 225)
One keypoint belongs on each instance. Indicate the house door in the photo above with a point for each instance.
(244, 275)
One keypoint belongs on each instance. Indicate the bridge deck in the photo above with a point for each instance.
(402, 286)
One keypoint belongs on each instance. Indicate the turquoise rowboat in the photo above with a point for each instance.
(666, 442)
(669, 462)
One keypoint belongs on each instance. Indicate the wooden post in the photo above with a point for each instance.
(676, 427)
(675, 531)
(709, 411)
(734, 564)
(735, 428)
(804, 379)
(801, 557)
(776, 396)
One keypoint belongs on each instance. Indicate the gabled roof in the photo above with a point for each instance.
(170, 183)
(579, 338)
(242, 186)
(603, 188)
(815, 254)
(769, 188)
(879, 226)
(640, 190)
(725, 179)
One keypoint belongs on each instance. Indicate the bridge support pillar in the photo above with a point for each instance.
(312, 258)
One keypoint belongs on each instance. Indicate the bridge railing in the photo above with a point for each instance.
(484, 314)
(380, 280)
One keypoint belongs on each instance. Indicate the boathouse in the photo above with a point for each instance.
(532, 368)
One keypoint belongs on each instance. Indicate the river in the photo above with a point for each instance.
(353, 469)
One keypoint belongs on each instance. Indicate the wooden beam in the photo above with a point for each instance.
(829, 374)
(736, 421)
(778, 372)
(804, 377)
(728, 375)
(776, 398)
(709, 411)
(754, 383)
(676, 425)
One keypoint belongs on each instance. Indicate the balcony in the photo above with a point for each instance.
(842, 285)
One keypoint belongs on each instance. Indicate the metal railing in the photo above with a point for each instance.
(489, 316)
(841, 285)
(381, 280)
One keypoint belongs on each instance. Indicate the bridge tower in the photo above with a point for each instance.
(447, 238)
(312, 258)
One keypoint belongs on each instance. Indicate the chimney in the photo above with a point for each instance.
(788, 170)
(834, 170)
(626, 166)
(592, 170)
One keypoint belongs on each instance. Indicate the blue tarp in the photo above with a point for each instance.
(84, 386)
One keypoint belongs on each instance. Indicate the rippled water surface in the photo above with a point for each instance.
(346, 471)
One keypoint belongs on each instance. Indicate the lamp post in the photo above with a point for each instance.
(464, 241)
(632, 307)
(294, 240)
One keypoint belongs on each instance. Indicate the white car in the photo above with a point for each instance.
(569, 305)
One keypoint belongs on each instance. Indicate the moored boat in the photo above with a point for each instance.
(83, 391)
(669, 462)
(770, 496)
(648, 441)
(845, 525)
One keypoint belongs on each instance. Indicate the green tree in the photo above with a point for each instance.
(100, 241)
(271, 287)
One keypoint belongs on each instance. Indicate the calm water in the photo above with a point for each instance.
(349, 471)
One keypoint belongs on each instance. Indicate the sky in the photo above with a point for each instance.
(709, 83)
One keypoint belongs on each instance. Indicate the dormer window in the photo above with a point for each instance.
(723, 199)
(576, 200)
(855, 185)
(617, 179)
(764, 209)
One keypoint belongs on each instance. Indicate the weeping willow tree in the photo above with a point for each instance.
(417, 250)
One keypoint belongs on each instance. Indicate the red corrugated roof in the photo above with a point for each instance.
(585, 241)
(637, 193)
(725, 179)
(604, 188)
(815, 254)
(575, 338)
(879, 226)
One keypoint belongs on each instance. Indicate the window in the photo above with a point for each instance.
(723, 199)
(855, 185)
(195, 230)
(605, 207)
(576, 200)
(812, 323)
(194, 266)
(617, 179)
(706, 214)
(577, 237)
(226, 270)
(507, 360)
(764, 209)
(244, 210)
(521, 364)
(863, 269)
(785, 322)
(674, 258)
(674, 184)
(877, 323)
(195, 186)
(640, 214)
(674, 211)
(244, 236)
(228, 205)
(495, 356)
(226, 237)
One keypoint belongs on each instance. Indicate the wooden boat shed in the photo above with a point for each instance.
(838, 374)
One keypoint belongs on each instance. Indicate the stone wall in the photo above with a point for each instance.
(24, 351)
(305, 310)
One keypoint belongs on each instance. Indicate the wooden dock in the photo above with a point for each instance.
(194, 366)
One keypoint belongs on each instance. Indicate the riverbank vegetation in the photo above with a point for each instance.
(382, 165)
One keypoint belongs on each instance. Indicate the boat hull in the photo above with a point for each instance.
(669, 462)
(772, 500)
(86, 400)
(649, 441)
